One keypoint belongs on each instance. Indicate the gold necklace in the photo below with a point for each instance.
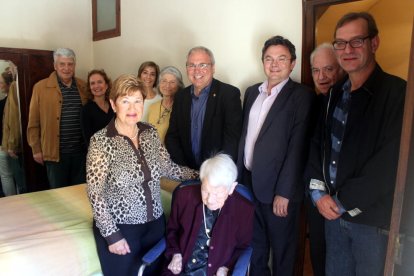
(133, 137)
(163, 114)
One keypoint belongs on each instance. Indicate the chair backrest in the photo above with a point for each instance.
(183, 184)
(240, 188)
(244, 191)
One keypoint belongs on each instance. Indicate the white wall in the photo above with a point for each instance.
(235, 30)
(47, 25)
(159, 30)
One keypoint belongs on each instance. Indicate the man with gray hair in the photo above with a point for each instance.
(206, 117)
(54, 131)
(325, 68)
(325, 73)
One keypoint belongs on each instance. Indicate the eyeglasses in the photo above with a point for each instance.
(201, 66)
(282, 60)
(325, 70)
(354, 43)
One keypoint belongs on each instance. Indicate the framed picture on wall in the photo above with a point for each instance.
(106, 19)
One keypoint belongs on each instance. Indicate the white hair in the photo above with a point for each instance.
(219, 170)
(64, 52)
(325, 45)
(173, 71)
(204, 49)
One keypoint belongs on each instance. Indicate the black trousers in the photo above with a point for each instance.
(280, 234)
(316, 223)
(140, 238)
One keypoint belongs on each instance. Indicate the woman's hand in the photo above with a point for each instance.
(222, 271)
(176, 264)
(120, 247)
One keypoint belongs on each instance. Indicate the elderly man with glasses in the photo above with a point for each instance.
(325, 68)
(354, 155)
(206, 116)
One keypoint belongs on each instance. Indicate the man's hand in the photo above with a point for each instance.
(328, 208)
(280, 206)
(38, 157)
(120, 247)
(176, 264)
(222, 271)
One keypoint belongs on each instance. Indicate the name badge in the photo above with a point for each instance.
(354, 212)
(316, 184)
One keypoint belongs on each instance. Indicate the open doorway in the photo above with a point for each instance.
(396, 29)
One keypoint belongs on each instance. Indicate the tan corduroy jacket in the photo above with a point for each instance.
(11, 122)
(44, 116)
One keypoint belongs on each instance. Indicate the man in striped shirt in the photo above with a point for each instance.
(54, 132)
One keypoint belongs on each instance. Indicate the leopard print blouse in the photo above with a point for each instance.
(124, 182)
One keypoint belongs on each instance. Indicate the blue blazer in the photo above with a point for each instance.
(281, 147)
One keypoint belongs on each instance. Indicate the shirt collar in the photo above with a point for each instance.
(205, 90)
(275, 90)
(61, 84)
(372, 81)
(111, 130)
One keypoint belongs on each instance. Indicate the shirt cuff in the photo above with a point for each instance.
(316, 195)
(113, 238)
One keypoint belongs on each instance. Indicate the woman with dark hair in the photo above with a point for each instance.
(148, 73)
(97, 112)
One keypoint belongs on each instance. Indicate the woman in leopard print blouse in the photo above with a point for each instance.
(124, 165)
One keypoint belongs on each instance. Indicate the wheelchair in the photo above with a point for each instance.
(242, 265)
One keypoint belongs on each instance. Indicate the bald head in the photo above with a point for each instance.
(325, 68)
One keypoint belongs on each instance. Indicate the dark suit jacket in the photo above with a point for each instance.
(232, 232)
(221, 128)
(281, 146)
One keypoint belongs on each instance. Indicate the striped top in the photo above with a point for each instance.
(70, 128)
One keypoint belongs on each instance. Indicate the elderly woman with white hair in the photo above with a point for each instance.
(170, 81)
(210, 224)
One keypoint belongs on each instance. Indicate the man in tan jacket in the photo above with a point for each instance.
(54, 131)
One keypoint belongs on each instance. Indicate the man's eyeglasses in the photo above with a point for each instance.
(354, 43)
(282, 60)
(201, 66)
(326, 70)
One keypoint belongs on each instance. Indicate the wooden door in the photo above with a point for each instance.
(32, 66)
(400, 253)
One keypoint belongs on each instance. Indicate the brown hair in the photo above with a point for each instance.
(372, 26)
(107, 80)
(126, 85)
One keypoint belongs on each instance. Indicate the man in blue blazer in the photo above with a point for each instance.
(206, 117)
(271, 157)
